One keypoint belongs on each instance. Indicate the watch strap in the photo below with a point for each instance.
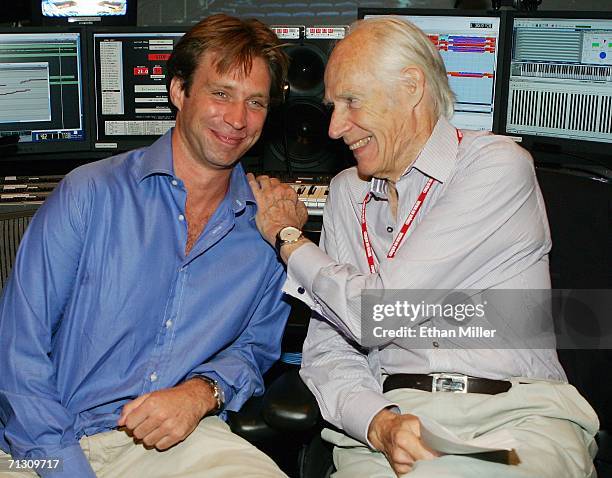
(217, 392)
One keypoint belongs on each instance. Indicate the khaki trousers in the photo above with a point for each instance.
(211, 451)
(553, 425)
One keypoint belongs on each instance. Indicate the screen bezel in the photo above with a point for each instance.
(547, 144)
(129, 19)
(423, 12)
(123, 144)
(60, 146)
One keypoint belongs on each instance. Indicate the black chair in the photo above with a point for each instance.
(285, 422)
(579, 207)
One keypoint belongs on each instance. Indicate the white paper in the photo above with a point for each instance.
(441, 439)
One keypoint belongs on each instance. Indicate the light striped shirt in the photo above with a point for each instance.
(482, 226)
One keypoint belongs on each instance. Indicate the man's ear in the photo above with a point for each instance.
(413, 80)
(177, 92)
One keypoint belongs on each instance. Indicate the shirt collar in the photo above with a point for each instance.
(157, 160)
(239, 192)
(436, 160)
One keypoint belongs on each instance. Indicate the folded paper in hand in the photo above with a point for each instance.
(496, 446)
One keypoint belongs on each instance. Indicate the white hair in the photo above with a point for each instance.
(400, 43)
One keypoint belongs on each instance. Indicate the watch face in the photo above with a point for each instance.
(290, 233)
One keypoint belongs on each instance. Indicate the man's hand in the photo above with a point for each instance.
(399, 438)
(164, 418)
(277, 206)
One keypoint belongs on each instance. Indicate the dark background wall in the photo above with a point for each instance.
(311, 12)
(293, 12)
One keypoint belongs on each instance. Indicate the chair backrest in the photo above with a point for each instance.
(13, 222)
(579, 207)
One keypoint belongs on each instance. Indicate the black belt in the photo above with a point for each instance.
(446, 382)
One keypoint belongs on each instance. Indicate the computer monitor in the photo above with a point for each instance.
(469, 43)
(41, 91)
(84, 12)
(131, 101)
(559, 81)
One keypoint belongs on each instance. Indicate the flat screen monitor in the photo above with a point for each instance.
(84, 12)
(131, 101)
(42, 100)
(559, 80)
(470, 45)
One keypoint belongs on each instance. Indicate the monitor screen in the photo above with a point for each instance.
(41, 90)
(83, 8)
(470, 48)
(560, 79)
(132, 106)
(84, 12)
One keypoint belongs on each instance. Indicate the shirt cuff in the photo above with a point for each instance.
(359, 410)
(303, 266)
(73, 463)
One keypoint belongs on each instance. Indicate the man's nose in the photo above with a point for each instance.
(338, 125)
(236, 115)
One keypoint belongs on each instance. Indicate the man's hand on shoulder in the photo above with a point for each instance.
(164, 418)
(277, 206)
(399, 438)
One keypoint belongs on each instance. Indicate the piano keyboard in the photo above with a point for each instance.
(313, 196)
(564, 71)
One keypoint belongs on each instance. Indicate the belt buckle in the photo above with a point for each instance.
(449, 382)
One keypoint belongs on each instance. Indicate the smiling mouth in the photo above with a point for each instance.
(231, 140)
(360, 143)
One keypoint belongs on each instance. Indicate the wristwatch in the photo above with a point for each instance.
(287, 235)
(217, 391)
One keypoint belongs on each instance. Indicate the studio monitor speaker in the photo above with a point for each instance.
(295, 137)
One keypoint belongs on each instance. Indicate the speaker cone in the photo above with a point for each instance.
(305, 125)
(306, 70)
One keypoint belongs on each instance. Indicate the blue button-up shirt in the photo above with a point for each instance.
(103, 305)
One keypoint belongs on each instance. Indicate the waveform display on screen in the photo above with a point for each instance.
(83, 8)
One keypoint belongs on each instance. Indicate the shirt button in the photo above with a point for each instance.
(181, 217)
(153, 377)
(301, 290)
(389, 229)
(436, 344)
(168, 323)
(174, 182)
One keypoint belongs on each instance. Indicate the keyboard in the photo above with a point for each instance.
(26, 189)
(311, 190)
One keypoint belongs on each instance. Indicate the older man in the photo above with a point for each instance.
(427, 207)
(143, 302)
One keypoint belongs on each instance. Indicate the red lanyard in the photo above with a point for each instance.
(404, 229)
